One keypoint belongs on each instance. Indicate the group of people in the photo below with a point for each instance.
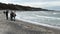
(12, 15)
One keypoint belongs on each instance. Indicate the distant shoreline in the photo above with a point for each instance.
(4, 6)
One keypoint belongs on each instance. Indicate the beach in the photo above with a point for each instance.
(21, 27)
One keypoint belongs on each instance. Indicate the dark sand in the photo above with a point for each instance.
(21, 27)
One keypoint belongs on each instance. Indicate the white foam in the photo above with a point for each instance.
(54, 13)
(44, 12)
(36, 23)
(48, 17)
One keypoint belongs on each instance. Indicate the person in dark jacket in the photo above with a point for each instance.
(12, 15)
(6, 13)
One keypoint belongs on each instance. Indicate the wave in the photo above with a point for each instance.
(36, 23)
(48, 17)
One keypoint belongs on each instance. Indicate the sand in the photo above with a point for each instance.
(21, 27)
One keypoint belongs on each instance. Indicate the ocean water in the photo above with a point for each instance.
(46, 18)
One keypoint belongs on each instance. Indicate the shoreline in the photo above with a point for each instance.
(40, 24)
(35, 27)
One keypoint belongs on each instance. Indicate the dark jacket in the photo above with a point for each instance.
(12, 14)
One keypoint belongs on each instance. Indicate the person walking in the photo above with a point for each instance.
(6, 13)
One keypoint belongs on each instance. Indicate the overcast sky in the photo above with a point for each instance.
(48, 4)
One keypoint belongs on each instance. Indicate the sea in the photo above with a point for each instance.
(44, 18)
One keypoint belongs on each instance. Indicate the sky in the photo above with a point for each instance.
(46, 4)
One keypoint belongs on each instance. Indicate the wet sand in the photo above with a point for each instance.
(21, 27)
